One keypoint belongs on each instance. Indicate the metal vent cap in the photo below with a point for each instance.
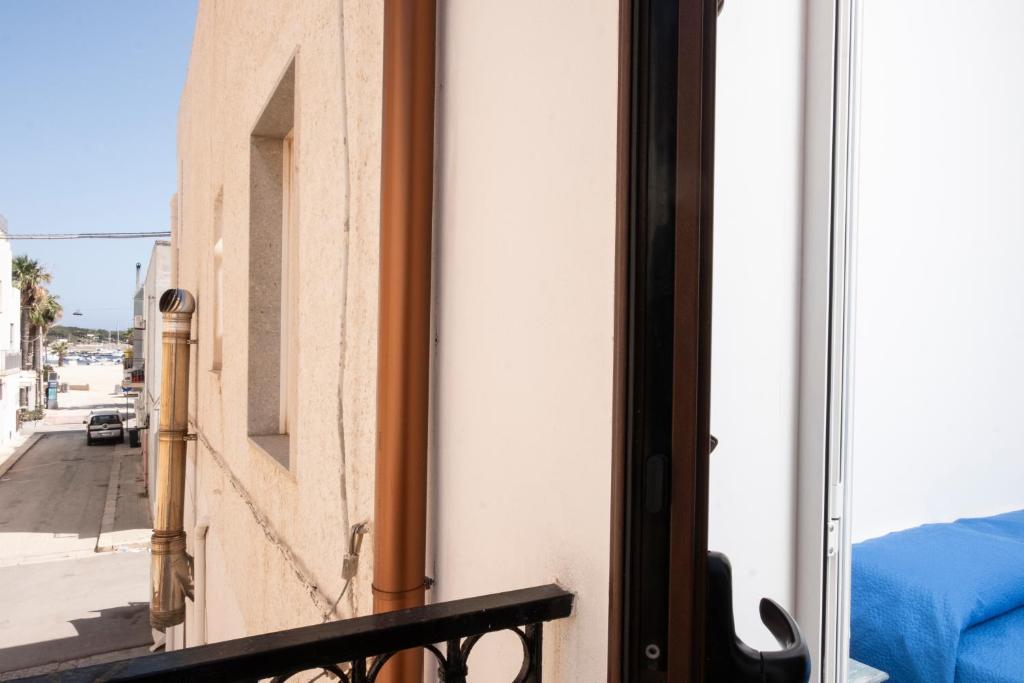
(177, 301)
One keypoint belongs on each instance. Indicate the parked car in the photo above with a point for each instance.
(104, 424)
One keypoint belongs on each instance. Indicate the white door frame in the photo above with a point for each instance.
(826, 323)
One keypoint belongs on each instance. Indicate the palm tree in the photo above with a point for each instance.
(44, 315)
(61, 349)
(29, 277)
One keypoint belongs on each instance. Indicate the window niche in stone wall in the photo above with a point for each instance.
(273, 247)
(217, 361)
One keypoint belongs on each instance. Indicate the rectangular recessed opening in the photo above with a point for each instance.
(218, 282)
(273, 247)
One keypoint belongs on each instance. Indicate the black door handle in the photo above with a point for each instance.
(730, 660)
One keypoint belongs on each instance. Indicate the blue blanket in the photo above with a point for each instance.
(991, 651)
(941, 603)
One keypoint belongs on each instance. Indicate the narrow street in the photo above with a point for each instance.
(74, 538)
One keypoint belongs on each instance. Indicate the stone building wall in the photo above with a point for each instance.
(277, 534)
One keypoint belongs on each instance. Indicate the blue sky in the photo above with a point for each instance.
(89, 96)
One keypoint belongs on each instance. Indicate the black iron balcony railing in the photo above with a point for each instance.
(354, 650)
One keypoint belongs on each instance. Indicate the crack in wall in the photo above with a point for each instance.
(343, 317)
(320, 600)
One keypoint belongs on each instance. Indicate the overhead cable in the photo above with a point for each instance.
(83, 235)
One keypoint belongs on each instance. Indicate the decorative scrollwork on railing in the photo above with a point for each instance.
(453, 664)
(356, 650)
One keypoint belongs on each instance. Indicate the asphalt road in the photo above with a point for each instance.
(61, 599)
(51, 501)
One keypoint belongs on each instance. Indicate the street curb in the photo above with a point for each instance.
(108, 539)
(113, 489)
(16, 456)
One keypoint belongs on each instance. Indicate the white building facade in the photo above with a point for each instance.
(10, 351)
(147, 405)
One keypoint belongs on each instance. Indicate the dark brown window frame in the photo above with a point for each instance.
(660, 557)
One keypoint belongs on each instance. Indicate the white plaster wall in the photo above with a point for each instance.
(158, 279)
(939, 369)
(525, 237)
(10, 340)
(10, 329)
(754, 388)
(277, 536)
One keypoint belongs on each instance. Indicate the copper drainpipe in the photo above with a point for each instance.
(170, 574)
(403, 346)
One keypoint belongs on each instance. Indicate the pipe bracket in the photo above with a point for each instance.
(175, 435)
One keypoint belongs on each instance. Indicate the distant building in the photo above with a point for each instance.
(10, 346)
(134, 372)
(148, 331)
